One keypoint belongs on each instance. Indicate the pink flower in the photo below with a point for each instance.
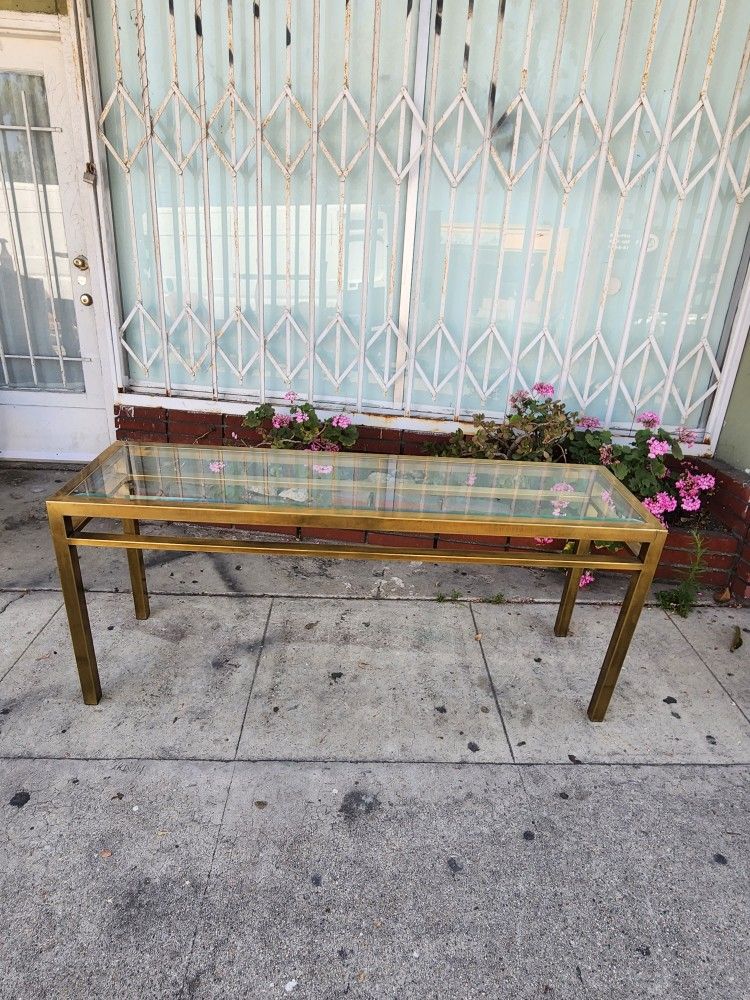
(290, 396)
(233, 435)
(331, 446)
(563, 488)
(324, 470)
(315, 446)
(216, 466)
(519, 397)
(281, 420)
(471, 479)
(656, 448)
(608, 499)
(662, 503)
(649, 419)
(589, 423)
(299, 416)
(606, 455)
(543, 389)
(587, 578)
(544, 541)
(667, 501)
(685, 436)
(342, 420)
(690, 485)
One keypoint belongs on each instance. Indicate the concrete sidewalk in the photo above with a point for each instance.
(311, 778)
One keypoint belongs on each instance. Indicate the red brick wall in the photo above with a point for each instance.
(157, 423)
(727, 557)
(730, 504)
(719, 560)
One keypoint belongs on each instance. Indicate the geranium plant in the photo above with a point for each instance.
(301, 427)
(642, 465)
(538, 429)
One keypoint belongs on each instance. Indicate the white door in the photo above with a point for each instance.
(53, 403)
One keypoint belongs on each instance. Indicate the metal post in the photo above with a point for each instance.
(626, 622)
(75, 606)
(570, 591)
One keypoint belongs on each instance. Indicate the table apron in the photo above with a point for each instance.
(476, 554)
(266, 519)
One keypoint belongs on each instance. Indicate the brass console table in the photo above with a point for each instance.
(245, 487)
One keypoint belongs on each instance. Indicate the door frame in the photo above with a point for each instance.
(97, 344)
(83, 59)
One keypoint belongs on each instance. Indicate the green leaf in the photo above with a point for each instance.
(262, 413)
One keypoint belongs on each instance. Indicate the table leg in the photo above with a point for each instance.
(75, 606)
(624, 629)
(570, 591)
(137, 573)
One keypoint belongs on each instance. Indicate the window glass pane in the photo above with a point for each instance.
(304, 291)
(38, 333)
(420, 208)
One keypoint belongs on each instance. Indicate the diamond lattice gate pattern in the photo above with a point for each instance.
(417, 208)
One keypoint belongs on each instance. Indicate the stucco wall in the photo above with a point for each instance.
(734, 441)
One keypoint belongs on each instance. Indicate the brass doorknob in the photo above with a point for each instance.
(86, 299)
(81, 263)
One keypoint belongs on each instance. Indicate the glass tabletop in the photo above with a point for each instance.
(346, 481)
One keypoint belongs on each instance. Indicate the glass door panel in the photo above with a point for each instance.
(39, 343)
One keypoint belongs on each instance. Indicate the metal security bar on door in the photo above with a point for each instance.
(420, 208)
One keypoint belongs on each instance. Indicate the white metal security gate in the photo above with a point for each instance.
(417, 208)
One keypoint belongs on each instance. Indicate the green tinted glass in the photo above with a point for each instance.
(461, 488)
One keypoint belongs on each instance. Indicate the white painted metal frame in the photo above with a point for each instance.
(410, 354)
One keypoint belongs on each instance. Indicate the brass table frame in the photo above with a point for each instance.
(69, 515)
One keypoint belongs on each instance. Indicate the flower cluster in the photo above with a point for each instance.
(690, 485)
(342, 420)
(587, 578)
(589, 423)
(649, 419)
(661, 504)
(657, 447)
(297, 416)
(684, 436)
(518, 397)
(544, 389)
